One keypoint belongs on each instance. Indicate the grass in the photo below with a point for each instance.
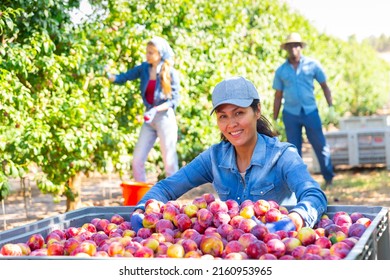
(360, 186)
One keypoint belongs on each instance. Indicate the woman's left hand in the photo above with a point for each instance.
(285, 224)
(136, 220)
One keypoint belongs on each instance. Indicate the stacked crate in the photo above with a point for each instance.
(360, 140)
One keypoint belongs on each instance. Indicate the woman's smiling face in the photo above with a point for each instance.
(238, 124)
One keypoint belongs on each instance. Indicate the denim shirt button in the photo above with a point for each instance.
(261, 192)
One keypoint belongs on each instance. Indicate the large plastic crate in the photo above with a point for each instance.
(74, 218)
(374, 146)
(365, 122)
(342, 149)
(357, 147)
(374, 244)
(340, 144)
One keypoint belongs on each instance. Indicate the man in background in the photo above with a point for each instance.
(294, 82)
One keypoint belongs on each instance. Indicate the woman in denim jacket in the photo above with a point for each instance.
(160, 85)
(249, 163)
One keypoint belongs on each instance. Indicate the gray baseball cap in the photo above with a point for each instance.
(235, 90)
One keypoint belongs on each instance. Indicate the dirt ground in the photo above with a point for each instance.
(30, 205)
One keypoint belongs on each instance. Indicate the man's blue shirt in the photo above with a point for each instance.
(298, 86)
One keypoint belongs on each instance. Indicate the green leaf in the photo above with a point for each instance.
(10, 23)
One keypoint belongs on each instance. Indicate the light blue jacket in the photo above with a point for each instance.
(276, 172)
(142, 71)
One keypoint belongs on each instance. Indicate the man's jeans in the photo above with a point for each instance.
(313, 126)
(164, 127)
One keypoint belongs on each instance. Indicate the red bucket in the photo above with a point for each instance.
(132, 192)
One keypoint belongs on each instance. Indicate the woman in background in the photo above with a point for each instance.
(159, 88)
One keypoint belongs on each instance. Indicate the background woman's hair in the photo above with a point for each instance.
(166, 79)
(263, 125)
(165, 75)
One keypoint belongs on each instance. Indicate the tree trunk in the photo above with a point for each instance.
(74, 202)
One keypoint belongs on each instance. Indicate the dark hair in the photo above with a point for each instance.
(263, 125)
